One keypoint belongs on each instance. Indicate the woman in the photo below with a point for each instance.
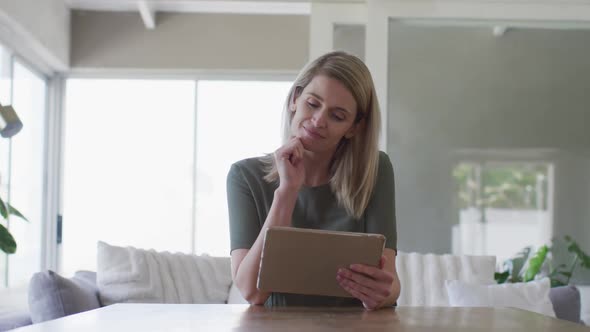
(329, 174)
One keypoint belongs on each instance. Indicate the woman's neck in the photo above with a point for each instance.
(317, 168)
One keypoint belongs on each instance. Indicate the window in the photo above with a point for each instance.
(235, 120)
(140, 169)
(502, 207)
(128, 167)
(26, 173)
(5, 99)
(22, 167)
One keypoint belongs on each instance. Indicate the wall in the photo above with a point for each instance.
(119, 40)
(38, 30)
(457, 88)
(350, 38)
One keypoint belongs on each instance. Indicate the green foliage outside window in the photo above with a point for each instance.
(503, 187)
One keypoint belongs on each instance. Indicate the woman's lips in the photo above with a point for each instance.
(312, 133)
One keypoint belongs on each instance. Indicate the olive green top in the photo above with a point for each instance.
(250, 197)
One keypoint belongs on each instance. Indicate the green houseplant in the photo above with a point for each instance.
(7, 242)
(525, 267)
(10, 125)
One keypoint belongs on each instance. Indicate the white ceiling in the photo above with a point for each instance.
(295, 7)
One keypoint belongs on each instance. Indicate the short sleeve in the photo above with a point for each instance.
(243, 216)
(380, 214)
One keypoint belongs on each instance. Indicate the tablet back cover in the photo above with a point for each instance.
(305, 261)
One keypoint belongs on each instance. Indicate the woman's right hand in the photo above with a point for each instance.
(289, 161)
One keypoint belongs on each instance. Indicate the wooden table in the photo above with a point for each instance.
(225, 317)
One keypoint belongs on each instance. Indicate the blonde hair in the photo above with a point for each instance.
(353, 168)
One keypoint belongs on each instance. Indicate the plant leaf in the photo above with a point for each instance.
(501, 277)
(518, 262)
(7, 243)
(3, 210)
(535, 264)
(575, 249)
(556, 283)
(15, 212)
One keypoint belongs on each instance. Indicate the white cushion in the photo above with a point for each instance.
(422, 276)
(585, 303)
(532, 296)
(127, 274)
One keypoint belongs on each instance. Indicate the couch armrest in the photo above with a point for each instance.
(566, 302)
(12, 319)
(52, 296)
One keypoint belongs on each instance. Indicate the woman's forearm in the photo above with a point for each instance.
(246, 278)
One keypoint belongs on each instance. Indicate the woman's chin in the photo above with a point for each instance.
(308, 143)
(311, 144)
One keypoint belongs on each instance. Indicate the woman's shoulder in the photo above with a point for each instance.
(384, 162)
(249, 167)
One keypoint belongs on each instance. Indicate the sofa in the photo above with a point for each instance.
(52, 296)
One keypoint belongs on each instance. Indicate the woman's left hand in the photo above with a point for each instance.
(372, 285)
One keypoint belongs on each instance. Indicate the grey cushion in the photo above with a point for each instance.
(12, 319)
(52, 296)
(566, 303)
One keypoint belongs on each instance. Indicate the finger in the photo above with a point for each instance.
(382, 261)
(367, 301)
(298, 150)
(357, 292)
(281, 157)
(372, 272)
(373, 287)
(287, 150)
(296, 153)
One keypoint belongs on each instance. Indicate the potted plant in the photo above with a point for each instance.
(10, 125)
(7, 242)
(524, 267)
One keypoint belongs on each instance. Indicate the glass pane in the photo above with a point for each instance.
(502, 207)
(515, 205)
(236, 120)
(5, 99)
(128, 173)
(27, 171)
(5, 76)
(521, 187)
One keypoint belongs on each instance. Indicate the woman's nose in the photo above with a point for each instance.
(319, 118)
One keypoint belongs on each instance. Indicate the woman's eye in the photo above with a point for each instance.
(338, 117)
(313, 105)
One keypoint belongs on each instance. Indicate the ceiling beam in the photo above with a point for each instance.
(148, 14)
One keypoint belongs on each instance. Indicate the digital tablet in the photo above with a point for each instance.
(305, 261)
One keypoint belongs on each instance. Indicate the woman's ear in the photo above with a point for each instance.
(357, 126)
(293, 101)
(351, 132)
